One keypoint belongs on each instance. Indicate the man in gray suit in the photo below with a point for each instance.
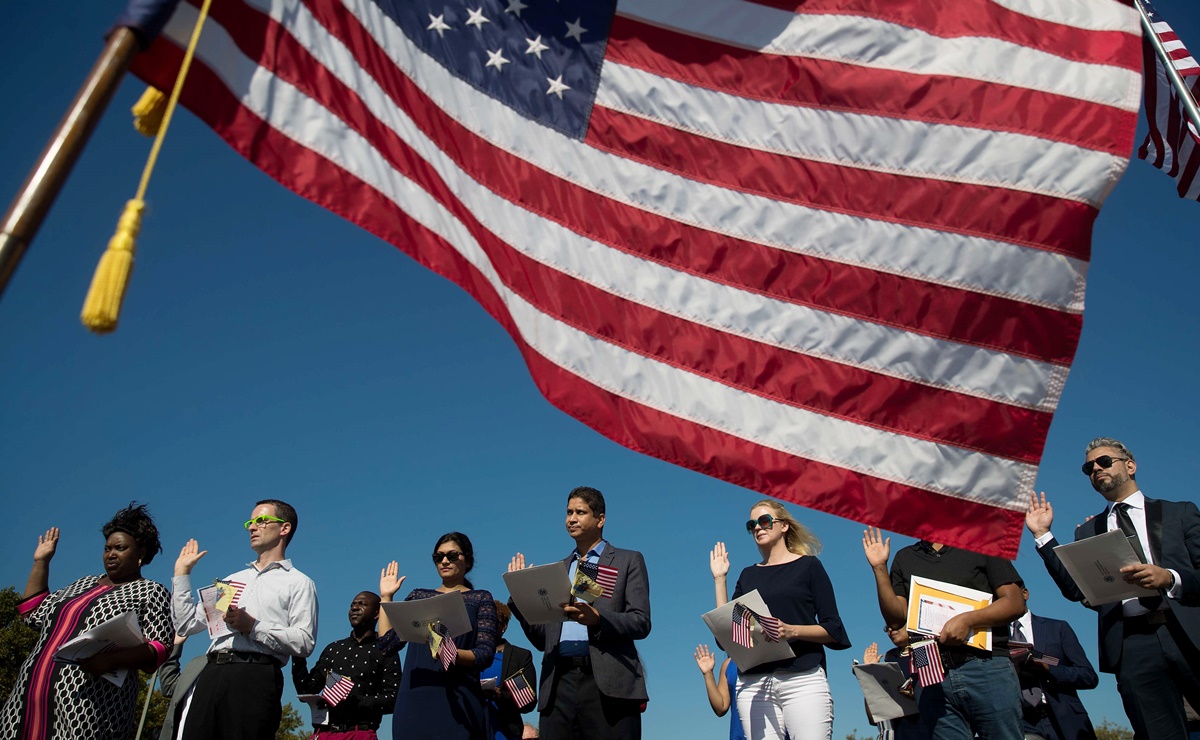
(593, 685)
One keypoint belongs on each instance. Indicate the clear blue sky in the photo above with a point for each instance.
(270, 349)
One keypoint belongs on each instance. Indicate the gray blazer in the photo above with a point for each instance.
(175, 684)
(624, 617)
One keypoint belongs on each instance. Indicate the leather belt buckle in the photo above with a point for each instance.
(223, 658)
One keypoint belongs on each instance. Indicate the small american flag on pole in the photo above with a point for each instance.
(1173, 143)
(770, 627)
(743, 620)
(447, 651)
(604, 575)
(1044, 659)
(927, 663)
(336, 689)
(522, 694)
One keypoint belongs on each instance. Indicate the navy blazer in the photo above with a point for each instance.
(1174, 531)
(1074, 672)
(624, 617)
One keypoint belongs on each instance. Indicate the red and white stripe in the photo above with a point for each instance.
(1173, 142)
(838, 256)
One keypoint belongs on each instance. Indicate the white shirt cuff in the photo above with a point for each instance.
(1039, 541)
(1176, 590)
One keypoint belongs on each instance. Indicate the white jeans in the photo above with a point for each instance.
(795, 703)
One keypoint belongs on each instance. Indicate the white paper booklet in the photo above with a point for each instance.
(539, 592)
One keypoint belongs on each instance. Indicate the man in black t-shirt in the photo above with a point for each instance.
(980, 694)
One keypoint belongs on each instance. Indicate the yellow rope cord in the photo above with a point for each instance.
(102, 307)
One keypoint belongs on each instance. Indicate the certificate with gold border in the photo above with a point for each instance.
(932, 603)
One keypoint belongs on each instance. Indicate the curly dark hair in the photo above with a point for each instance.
(135, 521)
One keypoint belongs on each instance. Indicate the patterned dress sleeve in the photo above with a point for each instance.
(390, 643)
(154, 617)
(486, 624)
(36, 608)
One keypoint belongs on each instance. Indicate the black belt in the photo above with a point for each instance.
(222, 657)
(959, 658)
(348, 727)
(1149, 620)
(574, 661)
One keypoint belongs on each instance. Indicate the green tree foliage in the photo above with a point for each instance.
(291, 727)
(16, 640)
(156, 713)
(1109, 730)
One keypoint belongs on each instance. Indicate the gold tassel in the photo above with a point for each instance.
(148, 111)
(102, 307)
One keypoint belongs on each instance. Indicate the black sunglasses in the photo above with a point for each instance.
(452, 556)
(765, 521)
(1104, 461)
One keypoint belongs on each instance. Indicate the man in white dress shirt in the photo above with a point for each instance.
(273, 617)
(1151, 643)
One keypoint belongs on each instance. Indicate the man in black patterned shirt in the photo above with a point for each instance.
(375, 677)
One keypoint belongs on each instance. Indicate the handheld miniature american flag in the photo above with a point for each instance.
(927, 663)
(447, 651)
(770, 627)
(1044, 659)
(336, 689)
(522, 694)
(743, 620)
(604, 576)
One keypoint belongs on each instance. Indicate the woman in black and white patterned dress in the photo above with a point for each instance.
(56, 700)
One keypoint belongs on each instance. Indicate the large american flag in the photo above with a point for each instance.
(833, 250)
(1173, 143)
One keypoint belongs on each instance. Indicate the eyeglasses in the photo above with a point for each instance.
(452, 556)
(1104, 461)
(264, 520)
(766, 521)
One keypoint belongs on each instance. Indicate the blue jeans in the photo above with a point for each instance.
(982, 696)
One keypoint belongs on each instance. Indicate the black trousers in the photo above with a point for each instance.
(1158, 664)
(235, 701)
(578, 711)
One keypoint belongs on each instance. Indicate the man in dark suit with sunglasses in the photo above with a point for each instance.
(593, 685)
(1151, 643)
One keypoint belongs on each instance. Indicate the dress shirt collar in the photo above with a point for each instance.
(1026, 621)
(1136, 500)
(595, 552)
(285, 564)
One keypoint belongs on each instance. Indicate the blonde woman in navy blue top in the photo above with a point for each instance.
(786, 697)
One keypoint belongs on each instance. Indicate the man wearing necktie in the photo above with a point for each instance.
(1052, 670)
(593, 686)
(1151, 643)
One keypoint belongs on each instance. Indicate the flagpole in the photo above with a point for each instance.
(28, 209)
(1189, 102)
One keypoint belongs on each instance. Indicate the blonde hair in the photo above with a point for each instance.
(799, 539)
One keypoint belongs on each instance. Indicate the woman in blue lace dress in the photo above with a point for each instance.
(433, 702)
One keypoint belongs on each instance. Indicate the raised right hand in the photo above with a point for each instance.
(718, 560)
(46, 546)
(390, 581)
(517, 563)
(189, 555)
(705, 660)
(875, 547)
(1040, 515)
(871, 654)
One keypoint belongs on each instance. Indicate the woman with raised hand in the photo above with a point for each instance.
(61, 700)
(790, 696)
(433, 702)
